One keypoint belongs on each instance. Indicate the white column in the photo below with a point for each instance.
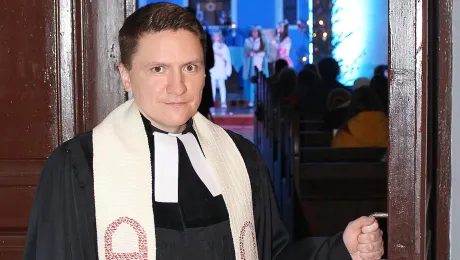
(279, 15)
(310, 29)
(234, 11)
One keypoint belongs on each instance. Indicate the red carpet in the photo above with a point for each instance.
(234, 120)
(237, 119)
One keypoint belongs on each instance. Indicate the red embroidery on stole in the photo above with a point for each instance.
(141, 237)
(246, 227)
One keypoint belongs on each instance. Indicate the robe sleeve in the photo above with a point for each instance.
(46, 236)
(266, 44)
(54, 230)
(330, 248)
(247, 47)
(272, 235)
(317, 248)
(228, 61)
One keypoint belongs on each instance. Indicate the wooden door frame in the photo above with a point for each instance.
(98, 88)
(444, 123)
(408, 59)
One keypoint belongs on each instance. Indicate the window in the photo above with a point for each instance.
(212, 12)
(290, 11)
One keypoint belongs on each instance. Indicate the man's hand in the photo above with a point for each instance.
(363, 239)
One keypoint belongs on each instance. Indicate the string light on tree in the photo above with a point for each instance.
(322, 29)
(304, 27)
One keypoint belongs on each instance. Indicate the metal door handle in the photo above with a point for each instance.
(379, 215)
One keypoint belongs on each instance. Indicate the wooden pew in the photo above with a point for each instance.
(335, 185)
(274, 140)
(316, 138)
(289, 159)
(335, 193)
(311, 117)
(279, 139)
(267, 132)
(327, 154)
(311, 125)
(263, 125)
(345, 178)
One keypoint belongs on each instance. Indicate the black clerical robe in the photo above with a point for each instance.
(63, 225)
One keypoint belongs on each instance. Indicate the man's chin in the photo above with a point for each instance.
(177, 121)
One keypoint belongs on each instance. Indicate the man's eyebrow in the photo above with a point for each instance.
(194, 61)
(166, 64)
(156, 64)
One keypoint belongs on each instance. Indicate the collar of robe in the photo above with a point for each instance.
(166, 155)
(151, 128)
(123, 185)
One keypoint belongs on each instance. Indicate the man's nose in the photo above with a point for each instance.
(176, 84)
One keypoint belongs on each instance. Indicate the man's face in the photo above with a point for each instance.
(167, 77)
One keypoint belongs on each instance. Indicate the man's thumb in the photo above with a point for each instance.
(361, 222)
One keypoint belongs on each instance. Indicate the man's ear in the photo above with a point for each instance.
(126, 80)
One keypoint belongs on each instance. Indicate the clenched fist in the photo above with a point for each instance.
(363, 239)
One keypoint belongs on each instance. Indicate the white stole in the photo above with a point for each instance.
(123, 186)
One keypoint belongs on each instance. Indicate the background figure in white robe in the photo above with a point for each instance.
(283, 43)
(222, 68)
(256, 50)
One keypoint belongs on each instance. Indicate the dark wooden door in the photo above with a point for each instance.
(407, 165)
(58, 78)
(419, 152)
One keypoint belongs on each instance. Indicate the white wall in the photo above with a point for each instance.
(455, 202)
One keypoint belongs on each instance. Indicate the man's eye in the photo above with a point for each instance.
(158, 69)
(190, 68)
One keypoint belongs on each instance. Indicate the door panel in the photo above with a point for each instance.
(58, 72)
(13, 246)
(29, 90)
(17, 181)
(30, 111)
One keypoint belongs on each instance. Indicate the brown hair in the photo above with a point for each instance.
(285, 32)
(262, 42)
(154, 18)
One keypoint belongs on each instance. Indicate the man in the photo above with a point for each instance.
(156, 180)
(329, 70)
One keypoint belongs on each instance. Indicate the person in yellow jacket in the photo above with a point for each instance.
(367, 124)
